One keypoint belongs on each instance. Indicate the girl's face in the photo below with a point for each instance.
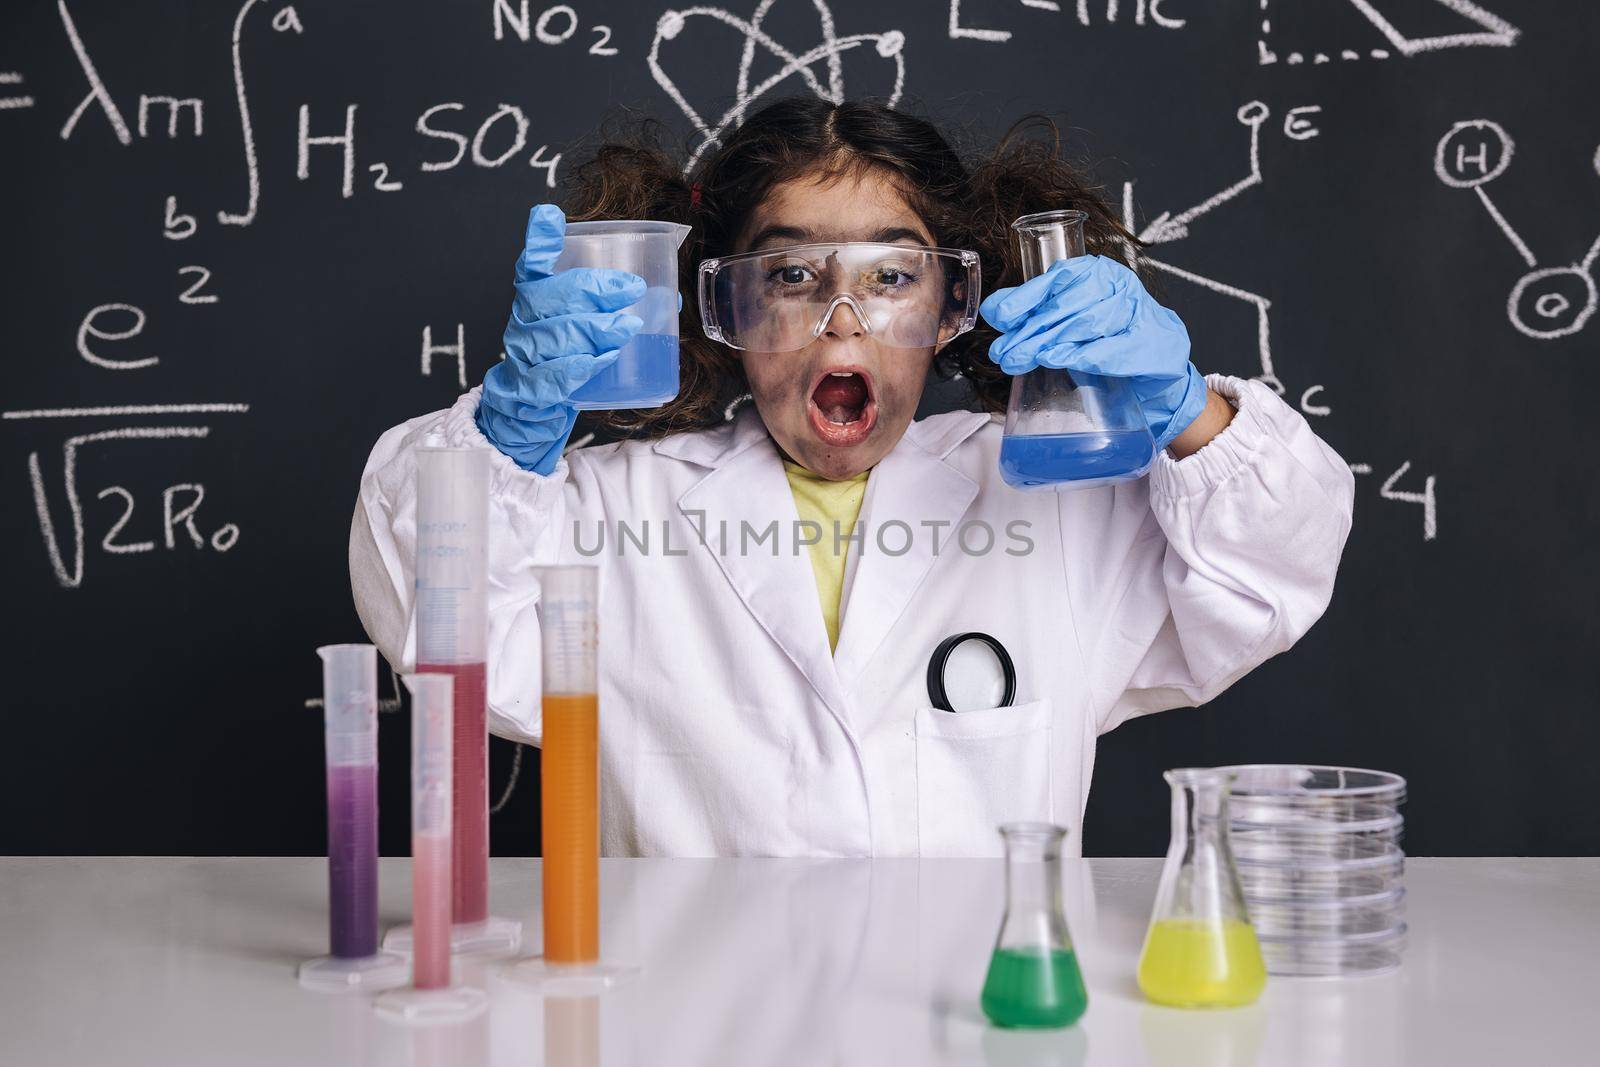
(838, 405)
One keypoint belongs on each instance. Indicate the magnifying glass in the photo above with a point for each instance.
(970, 671)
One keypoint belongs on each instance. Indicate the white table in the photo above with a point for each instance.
(173, 962)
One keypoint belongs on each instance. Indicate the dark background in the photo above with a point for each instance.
(156, 704)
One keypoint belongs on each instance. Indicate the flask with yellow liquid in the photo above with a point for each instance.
(1200, 950)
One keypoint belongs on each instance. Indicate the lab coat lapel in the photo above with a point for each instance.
(912, 485)
(748, 486)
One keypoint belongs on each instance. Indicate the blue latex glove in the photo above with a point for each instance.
(1092, 314)
(564, 329)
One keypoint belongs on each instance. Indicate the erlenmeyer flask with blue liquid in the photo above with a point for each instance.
(1068, 429)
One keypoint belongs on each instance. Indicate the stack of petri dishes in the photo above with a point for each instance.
(1319, 860)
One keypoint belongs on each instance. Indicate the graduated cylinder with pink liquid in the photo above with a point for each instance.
(431, 998)
(452, 622)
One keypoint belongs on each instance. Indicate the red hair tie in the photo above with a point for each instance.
(694, 197)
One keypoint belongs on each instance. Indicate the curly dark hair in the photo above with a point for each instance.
(632, 175)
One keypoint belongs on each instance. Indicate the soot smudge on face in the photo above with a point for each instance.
(853, 207)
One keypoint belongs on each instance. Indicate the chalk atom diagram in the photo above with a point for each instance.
(1547, 302)
(1490, 31)
(890, 44)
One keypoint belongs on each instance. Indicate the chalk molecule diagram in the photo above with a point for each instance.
(889, 44)
(1167, 227)
(1547, 302)
(1491, 31)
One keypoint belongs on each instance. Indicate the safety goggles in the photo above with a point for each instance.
(782, 299)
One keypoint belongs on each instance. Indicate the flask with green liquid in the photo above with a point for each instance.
(1033, 978)
(1200, 950)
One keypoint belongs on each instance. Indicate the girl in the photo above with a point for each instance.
(765, 655)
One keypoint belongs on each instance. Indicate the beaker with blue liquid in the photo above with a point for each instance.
(645, 374)
(1067, 429)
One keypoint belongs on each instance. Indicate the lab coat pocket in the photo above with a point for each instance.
(978, 769)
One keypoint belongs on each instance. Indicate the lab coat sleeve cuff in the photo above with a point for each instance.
(1231, 450)
(538, 493)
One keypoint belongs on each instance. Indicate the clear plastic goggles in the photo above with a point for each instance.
(781, 299)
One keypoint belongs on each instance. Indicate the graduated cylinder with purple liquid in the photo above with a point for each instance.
(350, 715)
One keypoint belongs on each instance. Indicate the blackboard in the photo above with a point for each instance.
(242, 239)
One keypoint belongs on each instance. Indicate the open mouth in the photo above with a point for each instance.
(843, 408)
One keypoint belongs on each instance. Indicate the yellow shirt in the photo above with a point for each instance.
(826, 504)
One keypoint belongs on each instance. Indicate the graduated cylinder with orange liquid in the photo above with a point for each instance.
(570, 818)
(570, 785)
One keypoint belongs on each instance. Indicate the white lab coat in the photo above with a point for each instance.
(728, 728)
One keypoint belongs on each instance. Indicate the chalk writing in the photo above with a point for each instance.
(193, 295)
(71, 577)
(175, 226)
(285, 21)
(345, 140)
(13, 103)
(1492, 31)
(1098, 12)
(1427, 498)
(555, 26)
(458, 350)
(1430, 515)
(97, 91)
(88, 328)
(175, 110)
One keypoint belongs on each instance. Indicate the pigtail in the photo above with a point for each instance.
(630, 175)
(1026, 172)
